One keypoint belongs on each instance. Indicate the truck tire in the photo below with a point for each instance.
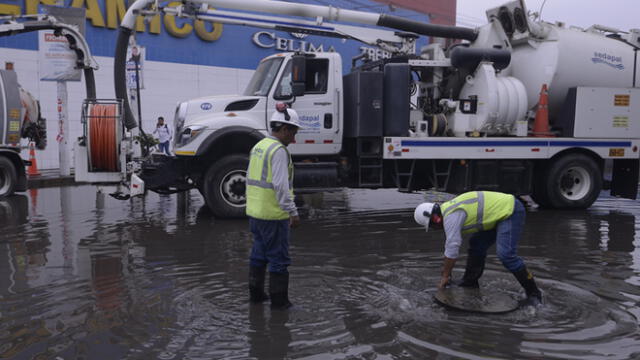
(8, 177)
(573, 181)
(14, 210)
(225, 186)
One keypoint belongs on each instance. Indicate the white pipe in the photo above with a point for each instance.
(129, 20)
(329, 13)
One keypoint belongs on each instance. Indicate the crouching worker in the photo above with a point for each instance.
(491, 217)
(271, 209)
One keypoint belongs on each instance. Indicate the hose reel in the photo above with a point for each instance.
(103, 134)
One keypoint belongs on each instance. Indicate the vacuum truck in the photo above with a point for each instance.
(20, 116)
(518, 105)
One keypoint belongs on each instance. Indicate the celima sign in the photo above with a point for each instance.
(269, 40)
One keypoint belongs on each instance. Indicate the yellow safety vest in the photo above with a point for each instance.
(261, 195)
(484, 209)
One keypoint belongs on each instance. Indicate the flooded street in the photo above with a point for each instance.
(85, 276)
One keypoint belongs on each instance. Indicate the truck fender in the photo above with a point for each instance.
(224, 133)
(18, 164)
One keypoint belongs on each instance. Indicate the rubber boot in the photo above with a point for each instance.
(256, 284)
(525, 278)
(472, 272)
(279, 290)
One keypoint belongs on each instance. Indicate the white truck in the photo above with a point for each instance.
(19, 111)
(469, 116)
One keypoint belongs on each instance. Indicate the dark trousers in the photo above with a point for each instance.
(270, 244)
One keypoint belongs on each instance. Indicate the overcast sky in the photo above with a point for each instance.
(621, 14)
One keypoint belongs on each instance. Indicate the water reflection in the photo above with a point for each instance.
(269, 337)
(161, 278)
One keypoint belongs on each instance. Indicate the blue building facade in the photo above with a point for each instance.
(175, 40)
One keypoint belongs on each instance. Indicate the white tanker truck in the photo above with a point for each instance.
(469, 116)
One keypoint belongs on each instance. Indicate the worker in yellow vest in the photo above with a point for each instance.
(271, 209)
(491, 217)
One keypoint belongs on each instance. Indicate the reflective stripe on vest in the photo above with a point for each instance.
(484, 209)
(261, 196)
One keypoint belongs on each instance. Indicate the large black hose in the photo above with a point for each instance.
(468, 58)
(443, 31)
(90, 83)
(120, 75)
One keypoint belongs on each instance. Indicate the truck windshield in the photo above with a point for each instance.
(263, 77)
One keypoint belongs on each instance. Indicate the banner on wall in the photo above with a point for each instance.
(57, 61)
(135, 57)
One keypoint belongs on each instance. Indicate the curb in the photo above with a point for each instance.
(49, 178)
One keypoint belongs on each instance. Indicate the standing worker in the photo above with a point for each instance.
(163, 133)
(271, 209)
(491, 217)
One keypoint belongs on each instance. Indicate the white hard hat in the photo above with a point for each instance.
(422, 214)
(286, 116)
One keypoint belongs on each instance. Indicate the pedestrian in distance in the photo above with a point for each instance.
(271, 209)
(163, 134)
(491, 217)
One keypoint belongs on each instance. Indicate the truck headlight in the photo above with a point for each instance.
(189, 133)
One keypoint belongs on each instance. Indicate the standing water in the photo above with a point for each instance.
(84, 276)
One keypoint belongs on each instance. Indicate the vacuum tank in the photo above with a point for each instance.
(569, 58)
(558, 56)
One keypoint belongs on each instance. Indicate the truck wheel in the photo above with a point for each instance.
(225, 185)
(8, 177)
(573, 181)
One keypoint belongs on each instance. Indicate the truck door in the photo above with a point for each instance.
(317, 108)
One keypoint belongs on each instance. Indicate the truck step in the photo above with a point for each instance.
(369, 171)
(404, 174)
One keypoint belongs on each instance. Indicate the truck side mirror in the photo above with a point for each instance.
(298, 74)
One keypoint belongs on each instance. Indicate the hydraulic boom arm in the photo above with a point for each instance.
(11, 25)
(323, 16)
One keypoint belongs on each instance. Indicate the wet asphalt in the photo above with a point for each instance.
(85, 276)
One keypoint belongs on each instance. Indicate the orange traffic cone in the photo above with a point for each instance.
(33, 168)
(541, 123)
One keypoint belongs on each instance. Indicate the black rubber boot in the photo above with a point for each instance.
(256, 284)
(472, 272)
(525, 278)
(279, 290)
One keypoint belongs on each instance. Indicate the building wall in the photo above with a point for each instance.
(440, 12)
(179, 63)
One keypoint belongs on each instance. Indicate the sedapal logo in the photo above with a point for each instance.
(607, 59)
(206, 106)
(310, 121)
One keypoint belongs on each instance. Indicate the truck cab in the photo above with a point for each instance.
(214, 135)
(320, 108)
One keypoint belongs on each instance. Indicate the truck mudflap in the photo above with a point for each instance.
(315, 175)
(165, 175)
(624, 182)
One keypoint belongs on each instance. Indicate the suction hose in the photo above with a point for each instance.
(120, 76)
(449, 32)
